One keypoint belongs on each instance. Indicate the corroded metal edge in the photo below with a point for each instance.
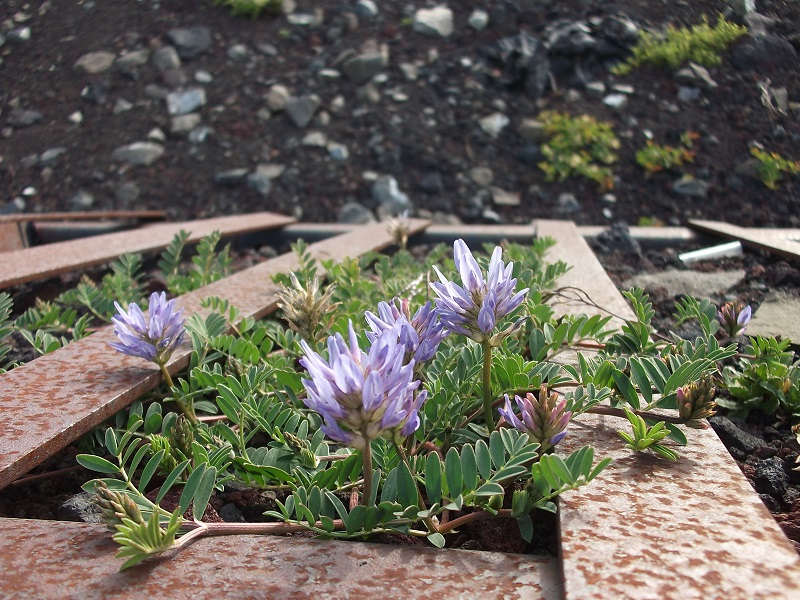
(46, 559)
(648, 528)
(784, 242)
(39, 262)
(93, 215)
(44, 406)
(586, 280)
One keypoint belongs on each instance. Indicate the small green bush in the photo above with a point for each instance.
(251, 8)
(580, 146)
(655, 157)
(772, 165)
(701, 44)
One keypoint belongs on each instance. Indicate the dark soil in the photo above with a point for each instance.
(429, 142)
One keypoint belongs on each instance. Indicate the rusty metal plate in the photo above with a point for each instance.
(784, 242)
(647, 528)
(586, 287)
(49, 402)
(40, 262)
(57, 560)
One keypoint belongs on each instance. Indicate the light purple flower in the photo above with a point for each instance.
(153, 338)
(420, 334)
(363, 395)
(733, 318)
(474, 309)
(544, 419)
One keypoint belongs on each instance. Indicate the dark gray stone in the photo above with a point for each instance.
(23, 117)
(190, 42)
(771, 477)
(733, 437)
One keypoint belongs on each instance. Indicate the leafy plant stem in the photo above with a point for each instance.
(202, 529)
(478, 515)
(181, 405)
(487, 385)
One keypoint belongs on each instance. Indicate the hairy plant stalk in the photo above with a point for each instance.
(487, 386)
(366, 456)
(472, 517)
(181, 405)
(201, 529)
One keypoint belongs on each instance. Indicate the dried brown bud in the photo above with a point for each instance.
(306, 310)
(696, 401)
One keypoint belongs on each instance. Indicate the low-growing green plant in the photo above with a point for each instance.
(578, 146)
(417, 418)
(701, 44)
(656, 157)
(252, 8)
(766, 378)
(772, 166)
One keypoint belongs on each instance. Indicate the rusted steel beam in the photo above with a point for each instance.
(48, 403)
(586, 287)
(783, 242)
(40, 262)
(649, 528)
(55, 560)
(96, 215)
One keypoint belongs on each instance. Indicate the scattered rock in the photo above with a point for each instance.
(180, 103)
(190, 42)
(260, 181)
(478, 20)
(386, 193)
(138, 153)
(301, 109)
(434, 22)
(494, 124)
(771, 477)
(80, 508)
(502, 197)
(183, 124)
(22, 117)
(690, 186)
(519, 62)
(355, 213)
(231, 177)
(95, 62)
(567, 204)
(166, 58)
(82, 200)
(734, 437)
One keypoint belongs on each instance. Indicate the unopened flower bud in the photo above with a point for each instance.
(544, 419)
(696, 401)
(733, 318)
(115, 506)
(305, 309)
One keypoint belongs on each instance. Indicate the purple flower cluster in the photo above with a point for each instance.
(545, 418)
(733, 318)
(153, 339)
(474, 309)
(360, 395)
(420, 335)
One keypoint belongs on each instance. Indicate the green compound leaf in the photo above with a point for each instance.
(96, 463)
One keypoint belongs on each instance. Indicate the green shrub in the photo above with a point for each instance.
(655, 157)
(580, 146)
(772, 165)
(251, 8)
(701, 44)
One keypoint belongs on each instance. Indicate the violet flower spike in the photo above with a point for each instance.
(154, 338)
(362, 396)
(733, 318)
(474, 309)
(544, 419)
(420, 334)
